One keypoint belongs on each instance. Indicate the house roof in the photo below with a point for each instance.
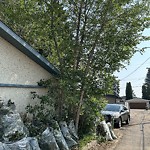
(10, 36)
(137, 100)
(113, 96)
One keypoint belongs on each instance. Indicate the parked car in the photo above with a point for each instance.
(119, 113)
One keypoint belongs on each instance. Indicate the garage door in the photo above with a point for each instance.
(137, 105)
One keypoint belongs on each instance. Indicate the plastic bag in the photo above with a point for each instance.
(33, 143)
(24, 144)
(13, 132)
(59, 137)
(107, 131)
(1, 131)
(72, 130)
(111, 131)
(28, 143)
(13, 127)
(4, 146)
(67, 135)
(47, 141)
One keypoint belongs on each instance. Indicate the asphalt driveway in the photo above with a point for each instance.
(136, 135)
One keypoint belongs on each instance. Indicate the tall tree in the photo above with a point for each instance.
(116, 88)
(87, 39)
(129, 91)
(146, 86)
(144, 91)
(147, 79)
(103, 36)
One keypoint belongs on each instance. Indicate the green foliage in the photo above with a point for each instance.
(64, 95)
(116, 88)
(146, 86)
(86, 139)
(147, 79)
(146, 91)
(100, 139)
(42, 112)
(129, 91)
(100, 133)
(90, 115)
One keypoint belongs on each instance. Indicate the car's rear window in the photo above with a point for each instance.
(114, 108)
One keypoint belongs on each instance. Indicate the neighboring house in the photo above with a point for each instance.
(113, 99)
(21, 67)
(138, 103)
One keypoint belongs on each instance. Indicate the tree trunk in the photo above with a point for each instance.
(79, 109)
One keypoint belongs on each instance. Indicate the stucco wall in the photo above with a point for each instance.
(17, 68)
(21, 96)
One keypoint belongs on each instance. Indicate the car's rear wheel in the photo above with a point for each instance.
(128, 120)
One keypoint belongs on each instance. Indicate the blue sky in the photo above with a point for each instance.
(136, 71)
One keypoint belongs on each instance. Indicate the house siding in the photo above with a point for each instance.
(17, 68)
(21, 96)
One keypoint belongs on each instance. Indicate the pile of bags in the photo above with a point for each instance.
(58, 136)
(15, 136)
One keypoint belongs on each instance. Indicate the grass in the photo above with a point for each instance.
(86, 139)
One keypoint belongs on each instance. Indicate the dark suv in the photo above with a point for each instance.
(118, 112)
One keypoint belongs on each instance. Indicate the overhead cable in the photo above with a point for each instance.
(135, 69)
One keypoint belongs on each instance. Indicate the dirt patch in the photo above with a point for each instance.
(109, 145)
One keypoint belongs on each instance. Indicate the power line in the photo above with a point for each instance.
(135, 79)
(136, 69)
(133, 87)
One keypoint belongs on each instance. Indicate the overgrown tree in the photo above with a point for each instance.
(86, 39)
(129, 91)
(103, 37)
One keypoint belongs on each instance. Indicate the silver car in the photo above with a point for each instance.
(119, 113)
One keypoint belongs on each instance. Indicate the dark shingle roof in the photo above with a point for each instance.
(137, 100)
(20, 44)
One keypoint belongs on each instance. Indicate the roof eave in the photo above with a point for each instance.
(25, 48)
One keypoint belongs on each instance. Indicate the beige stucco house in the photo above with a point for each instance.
(21, 67)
